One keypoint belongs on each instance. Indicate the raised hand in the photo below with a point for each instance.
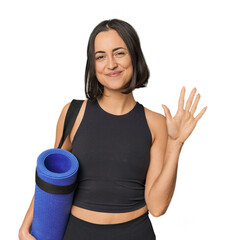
(183, 123)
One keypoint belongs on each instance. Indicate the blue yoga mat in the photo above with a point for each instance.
(57, 168)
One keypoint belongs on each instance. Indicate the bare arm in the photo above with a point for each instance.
(24, 231)
(160, 191)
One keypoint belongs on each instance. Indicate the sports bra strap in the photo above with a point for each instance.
(70, 118)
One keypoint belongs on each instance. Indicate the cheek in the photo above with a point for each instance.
(127, 63)
(99, 68)
(129, 66)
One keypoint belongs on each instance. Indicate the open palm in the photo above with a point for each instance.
(183, 123)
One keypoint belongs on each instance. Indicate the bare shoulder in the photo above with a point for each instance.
(63, 113)
(60, 125)
(65, 108)
(156, 122)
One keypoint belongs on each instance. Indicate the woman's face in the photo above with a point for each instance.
(112, 55)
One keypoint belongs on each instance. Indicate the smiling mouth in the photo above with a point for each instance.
(114, 74)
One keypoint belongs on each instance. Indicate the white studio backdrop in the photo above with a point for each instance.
(42, 65)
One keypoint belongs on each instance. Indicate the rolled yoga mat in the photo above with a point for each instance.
(56, 176)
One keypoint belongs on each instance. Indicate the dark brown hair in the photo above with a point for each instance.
(93, 88)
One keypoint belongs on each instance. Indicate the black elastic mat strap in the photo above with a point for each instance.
(55, 189)
(70, 118)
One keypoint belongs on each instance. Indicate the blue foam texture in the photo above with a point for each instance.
(51, 211)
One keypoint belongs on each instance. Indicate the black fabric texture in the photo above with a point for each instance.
(114, 154)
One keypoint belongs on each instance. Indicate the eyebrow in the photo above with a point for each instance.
(115, 49)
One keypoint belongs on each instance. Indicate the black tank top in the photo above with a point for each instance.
(113, 153)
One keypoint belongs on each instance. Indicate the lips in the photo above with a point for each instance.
(114, 74)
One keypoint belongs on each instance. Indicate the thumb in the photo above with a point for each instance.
(167, 111)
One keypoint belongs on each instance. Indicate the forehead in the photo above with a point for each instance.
(108, 40)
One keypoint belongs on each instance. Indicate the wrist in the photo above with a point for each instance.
(175, 143)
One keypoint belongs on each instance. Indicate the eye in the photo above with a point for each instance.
(99, 58)
(120, 53)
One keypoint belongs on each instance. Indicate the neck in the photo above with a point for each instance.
(117, 103)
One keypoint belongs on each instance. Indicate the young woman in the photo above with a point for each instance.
(128, 154)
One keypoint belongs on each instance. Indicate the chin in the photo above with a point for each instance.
(116, 87)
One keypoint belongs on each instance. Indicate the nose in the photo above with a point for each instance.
(111, 63)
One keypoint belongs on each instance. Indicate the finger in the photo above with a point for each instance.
(194, 106)
(167, 111)
(181, 99)
(190, 99)
(200, 114)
